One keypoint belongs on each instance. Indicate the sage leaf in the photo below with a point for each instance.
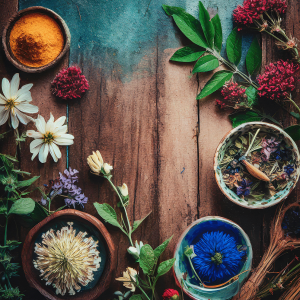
(207, 25)
(108, 214)
(216, 82)
(251, 93)
(164, 267)
(147, 259)
(218, 32)
(254, 57)
(293, 132)
(234, 47)
(22, 206)
(244, 117)
(188, 25)
(188, 54)
(28, 182)
(205, 64)
(137, 223)
(161, 248)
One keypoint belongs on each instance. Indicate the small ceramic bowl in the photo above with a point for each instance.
(6, 34)
(228, 139)
(81, 222)
(182, 270)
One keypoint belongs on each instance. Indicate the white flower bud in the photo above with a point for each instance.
(107, 168)
(134, 252)
(124, 190)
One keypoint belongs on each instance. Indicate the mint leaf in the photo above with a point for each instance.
(205, 64)
(22, 206)
(234, 47)
(243, 117)
(254, 57)
(293, 132)
(137, 223)
(218, 32)
(28, 182)
(188, 25)
(251, 93)
(188, 54)
(216, 82)
(207, 25)
(147, 259)
(165, 267)
(107, 213)
(161, 248)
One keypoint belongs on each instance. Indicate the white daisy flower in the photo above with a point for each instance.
(15, 102)
(48, 136)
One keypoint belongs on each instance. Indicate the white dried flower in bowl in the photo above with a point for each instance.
(67, 261)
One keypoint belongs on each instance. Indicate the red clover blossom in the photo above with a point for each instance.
(170, 294)
(69, 83)
(278, 80)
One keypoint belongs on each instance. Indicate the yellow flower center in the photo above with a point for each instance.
(48, 138)
(10, 104)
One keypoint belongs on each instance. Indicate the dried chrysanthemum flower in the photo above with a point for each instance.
(129, 278)
(97, 165)
(67, 261)
(69, 83)
(278, 80)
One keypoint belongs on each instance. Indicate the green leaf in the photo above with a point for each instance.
(136, 297)
(33, 218)
(137, 223)
(207, 25)
(165, 267)
(28, 182)
(188, 25)
(218, 32)
(205, 64)
(107, 213)
(161, 248)
(216, 82)
(254, 57)
(295, 115)
(251, 93)
(188, 54)
(22, 206)
(234, 47)
(293, 132)
(147, 259)
(243, 117)
(12, 158)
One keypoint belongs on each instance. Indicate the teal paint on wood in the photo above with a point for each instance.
(117, 35)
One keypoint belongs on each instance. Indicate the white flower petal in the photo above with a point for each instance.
(56, 150)
(50, 124)
(35, 143)
(60, 130)
(43, 153)
(6, 88)
(55, 158)
(26, 96)
(34, 134)
(22, 117)
(27, 108)
(63, 142)
(35, 152)
(67, 136)
(24, 88)
(14, 85)
(2, 99)
(14, 121)
(60, 121)
(4, 114)
(40, 124)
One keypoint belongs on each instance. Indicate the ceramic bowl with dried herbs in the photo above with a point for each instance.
(257, 165)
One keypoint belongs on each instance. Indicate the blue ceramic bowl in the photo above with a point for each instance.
(183, 270)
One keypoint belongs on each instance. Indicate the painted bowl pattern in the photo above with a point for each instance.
(182, 268)
(227, 142)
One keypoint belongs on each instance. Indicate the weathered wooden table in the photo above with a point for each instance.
(141, 113)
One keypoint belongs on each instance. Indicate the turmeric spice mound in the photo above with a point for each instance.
(36, 39)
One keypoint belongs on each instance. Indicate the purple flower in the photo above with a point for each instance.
(44, 201)
(268, 146)
(289, 169)
(244, 188)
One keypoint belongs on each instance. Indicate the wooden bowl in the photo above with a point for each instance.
(6, 34)
(227, 140)
(69, 215)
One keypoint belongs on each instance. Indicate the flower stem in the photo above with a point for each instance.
(121, 200)
(294, 103)
(194, 271)
(143, 292)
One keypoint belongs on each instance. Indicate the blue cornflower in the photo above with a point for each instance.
(217, 257)
(244, 188)
(289, 169)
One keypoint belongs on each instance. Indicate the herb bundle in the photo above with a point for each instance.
(257, 165)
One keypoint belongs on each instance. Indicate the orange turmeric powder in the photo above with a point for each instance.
(36, 39)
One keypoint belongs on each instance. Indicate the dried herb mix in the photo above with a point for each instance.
(257, 165)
